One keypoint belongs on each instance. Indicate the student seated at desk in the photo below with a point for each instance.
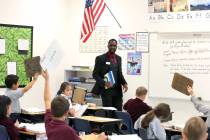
(137, 107)
(152, 122)
(14, 93)
(195, 129)
(198, 105)
(56, 113)
(5, 120)
(65, 90)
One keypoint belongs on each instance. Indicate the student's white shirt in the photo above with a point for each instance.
(68, 98)
(154, 131)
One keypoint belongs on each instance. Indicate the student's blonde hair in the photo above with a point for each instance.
(195, 129)
(140, 91)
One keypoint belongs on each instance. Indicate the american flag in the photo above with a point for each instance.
(92, 13)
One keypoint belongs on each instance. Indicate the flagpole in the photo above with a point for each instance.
(113, 16)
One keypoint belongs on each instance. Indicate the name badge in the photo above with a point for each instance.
(108, 63)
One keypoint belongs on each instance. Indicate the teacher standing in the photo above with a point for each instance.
(111, 94)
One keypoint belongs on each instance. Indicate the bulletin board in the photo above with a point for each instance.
(16, 45)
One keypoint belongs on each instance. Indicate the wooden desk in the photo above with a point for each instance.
(89, 137)
(25, 135)
(172, 130)
(108, 111)
(99, 119)
(114, 137)
(100, 124)
(32, 131)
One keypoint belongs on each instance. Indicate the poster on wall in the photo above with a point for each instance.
(127, 42)
(158, 6)
(197, 5)
(97, 42)
(134, 63)
(177, 10)
(142, 41)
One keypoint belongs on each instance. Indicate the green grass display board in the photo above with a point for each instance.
(11, 34)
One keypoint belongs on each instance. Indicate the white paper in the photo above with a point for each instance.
(80, 109)
(52, 56)
(124, 137)
(142, 41)
(2, 46)
(105, 119)
(11, 68)
(23, 44)
(109, 108)
(34, 110)
(36, 128)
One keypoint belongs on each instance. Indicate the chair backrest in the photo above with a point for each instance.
(127, 126)
(100, 113)
(81, 125)
(208, 133)
(142, 133)
(3, 133)
(79, 95)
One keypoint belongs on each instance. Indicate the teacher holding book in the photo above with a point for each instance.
(110, 82)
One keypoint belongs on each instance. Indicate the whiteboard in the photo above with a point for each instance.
(185, 53)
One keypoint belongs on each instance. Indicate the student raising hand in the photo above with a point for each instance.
(45, 75)
(190, 90)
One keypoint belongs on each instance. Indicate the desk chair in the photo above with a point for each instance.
(81, 125)
(127, 124)
(100, 113)
(142, 133)
(3, 133)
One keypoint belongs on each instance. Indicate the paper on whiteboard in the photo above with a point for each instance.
(52, 56)
(11, 68)
(23, 44)
(2, 46)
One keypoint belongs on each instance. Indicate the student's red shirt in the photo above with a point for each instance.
(11, 129)
(136, 107)
(58, 130)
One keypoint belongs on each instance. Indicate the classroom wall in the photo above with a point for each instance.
(61, 19)
(48, 18)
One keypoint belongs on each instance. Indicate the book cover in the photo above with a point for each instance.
(109, 77)
(32, 66)
(181, 82)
